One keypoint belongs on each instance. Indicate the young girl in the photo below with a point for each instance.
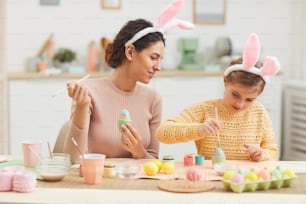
(243, 125)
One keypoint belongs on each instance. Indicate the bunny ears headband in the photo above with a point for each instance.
(165, 22)
(250, 57)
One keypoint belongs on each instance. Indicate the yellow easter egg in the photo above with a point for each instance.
(158, 163)
(168, 167)
(228, 175)
(251, 176)
(150, 168)
(288, 173)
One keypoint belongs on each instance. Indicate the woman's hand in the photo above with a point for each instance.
(131, 141)
(78, 93)
(254, 152)
(210, 126)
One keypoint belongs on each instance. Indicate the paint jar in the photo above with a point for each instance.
(109, 170)
(168, 158)
(199, 159)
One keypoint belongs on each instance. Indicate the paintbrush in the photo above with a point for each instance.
(50, 152)
(218, 134)
(77, 147)
(64, 89)
(218, 158)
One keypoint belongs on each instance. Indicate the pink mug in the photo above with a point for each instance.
(31, 153)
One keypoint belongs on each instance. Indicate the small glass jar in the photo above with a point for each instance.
(109, 170)
(168, 158)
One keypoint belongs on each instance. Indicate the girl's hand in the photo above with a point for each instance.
(131, 141)
(254, 151)
(210, 126)
(78, 93)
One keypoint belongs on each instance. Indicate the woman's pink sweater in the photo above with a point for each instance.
(144, 105)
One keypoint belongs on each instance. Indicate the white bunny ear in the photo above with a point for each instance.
(251, 51)
(185, 25)
(169, 12)
(270, 67)
(179, 23)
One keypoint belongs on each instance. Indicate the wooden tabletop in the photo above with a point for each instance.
(114, 190)
(74, 181)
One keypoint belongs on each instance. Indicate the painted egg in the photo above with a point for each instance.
(276, 174)
(193, 174)
(237, 178)
(264, 174)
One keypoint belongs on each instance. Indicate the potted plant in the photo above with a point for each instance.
(63, 57)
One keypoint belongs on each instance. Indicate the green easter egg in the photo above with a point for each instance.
(123, 122)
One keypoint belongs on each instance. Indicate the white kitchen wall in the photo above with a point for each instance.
(298, 53)
(76, 22)
(3, 84)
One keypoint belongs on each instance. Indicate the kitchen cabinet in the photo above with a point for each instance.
(35, 115)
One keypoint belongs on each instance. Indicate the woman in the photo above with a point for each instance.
(239, 122)
(135, 54)
(98, 102)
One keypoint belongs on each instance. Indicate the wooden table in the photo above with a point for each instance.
(73, 190)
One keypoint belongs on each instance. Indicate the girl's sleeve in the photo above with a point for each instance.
(182, 128)
(268, 144)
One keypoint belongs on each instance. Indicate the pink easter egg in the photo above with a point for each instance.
(237, 178)
(193, 174)
(264, 174)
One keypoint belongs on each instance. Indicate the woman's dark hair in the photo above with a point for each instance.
(115, 51)
(246, 78)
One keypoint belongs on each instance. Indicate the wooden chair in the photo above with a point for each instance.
(59, 144)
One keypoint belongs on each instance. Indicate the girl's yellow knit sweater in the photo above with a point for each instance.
(250, 126)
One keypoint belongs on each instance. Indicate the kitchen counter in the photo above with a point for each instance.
(164, 73)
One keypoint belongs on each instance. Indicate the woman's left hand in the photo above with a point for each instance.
(131, 141)
(254, 151)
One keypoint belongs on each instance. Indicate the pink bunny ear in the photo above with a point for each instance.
(251, 51)
(169, 12)
(176, 22)
(271, 66)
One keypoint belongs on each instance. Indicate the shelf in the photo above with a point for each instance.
(174, 73)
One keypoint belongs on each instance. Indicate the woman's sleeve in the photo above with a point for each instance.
(156, 109)
(80, 135)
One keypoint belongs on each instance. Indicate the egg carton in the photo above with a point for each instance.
(259, 185)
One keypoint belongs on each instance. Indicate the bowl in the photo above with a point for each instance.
(127, 171)
(62, 157)
(54, 169)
